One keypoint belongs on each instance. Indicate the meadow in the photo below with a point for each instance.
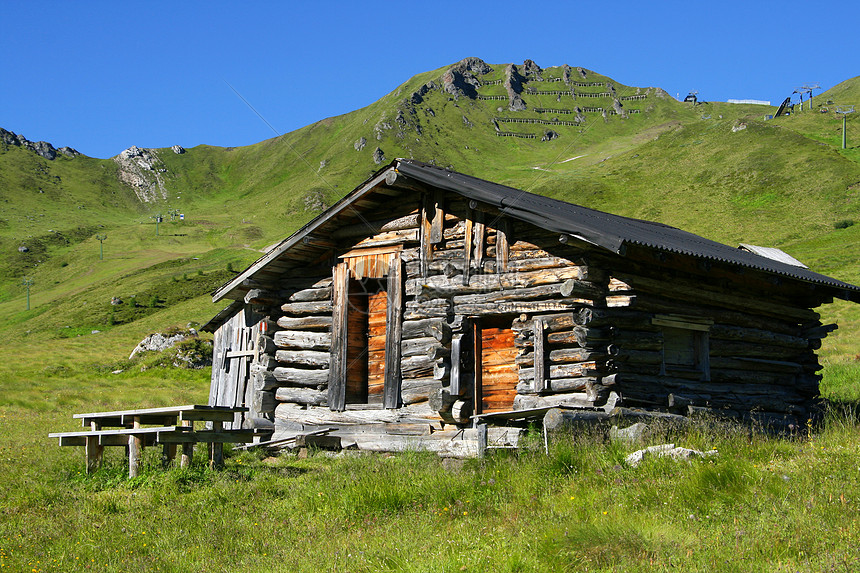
(762, 504)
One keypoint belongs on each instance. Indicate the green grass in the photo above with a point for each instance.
(761, 504)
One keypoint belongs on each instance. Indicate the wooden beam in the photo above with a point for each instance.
(539, 356)
(394, 334)
(455, 365)
(480, 232)
(502, 245)
(477, 352)
(337, 362)
(437, 223)
(426, 247)
(467, 247)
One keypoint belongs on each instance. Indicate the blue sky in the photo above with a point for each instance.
(102, 76)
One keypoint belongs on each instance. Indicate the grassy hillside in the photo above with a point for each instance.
(716, 169)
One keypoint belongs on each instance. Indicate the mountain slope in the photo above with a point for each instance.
(720, 170)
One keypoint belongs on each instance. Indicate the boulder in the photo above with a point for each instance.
(666, 450)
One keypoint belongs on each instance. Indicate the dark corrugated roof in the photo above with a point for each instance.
(606, 230)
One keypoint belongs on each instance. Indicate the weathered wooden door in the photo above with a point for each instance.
(496, 370)
(366, 330)
(233, 349)
(366, 321)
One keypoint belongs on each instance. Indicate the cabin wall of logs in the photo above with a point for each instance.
(486, 313)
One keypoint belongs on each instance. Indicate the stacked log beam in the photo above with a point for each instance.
(300, 346)
(761, 353)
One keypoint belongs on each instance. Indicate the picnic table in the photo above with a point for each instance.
(168, 426)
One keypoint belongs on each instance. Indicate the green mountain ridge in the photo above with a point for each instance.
(717, 169)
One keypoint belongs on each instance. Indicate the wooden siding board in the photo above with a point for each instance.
(338, 361)
(394, 324)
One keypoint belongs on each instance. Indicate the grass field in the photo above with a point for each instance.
(761, 504)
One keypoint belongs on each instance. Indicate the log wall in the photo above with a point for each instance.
(589, 327)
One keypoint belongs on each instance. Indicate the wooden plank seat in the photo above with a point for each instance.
(170, 426)
(162, 416)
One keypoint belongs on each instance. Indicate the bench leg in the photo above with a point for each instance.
(187, 455)
(94, 454)
(216, 449)
(94, 449)
(135, 447)
(168, 454)
(187, 447)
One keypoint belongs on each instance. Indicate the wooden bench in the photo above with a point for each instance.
(169, 426)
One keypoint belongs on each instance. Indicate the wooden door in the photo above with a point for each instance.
(366, 325)
(377, 308)
(498, 370)
(356, 348)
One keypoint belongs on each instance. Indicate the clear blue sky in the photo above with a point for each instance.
(102, 76)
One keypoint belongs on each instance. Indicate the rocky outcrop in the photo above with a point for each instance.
(532, 71)
(143, 171)
(418, 95)
(460, 80)
(360, 143)
(381, 126)
(378, 156)
(178, 149)
(186, 349)
(514, 87)
(549, 135)
(619, 109)
(41, 148)
(565, 74)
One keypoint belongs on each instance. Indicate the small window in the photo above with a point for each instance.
(685, 346)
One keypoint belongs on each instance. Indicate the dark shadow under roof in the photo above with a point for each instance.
(606, 230)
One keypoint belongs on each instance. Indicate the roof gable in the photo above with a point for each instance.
(604, 230)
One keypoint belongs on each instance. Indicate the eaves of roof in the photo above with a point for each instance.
(605, 230)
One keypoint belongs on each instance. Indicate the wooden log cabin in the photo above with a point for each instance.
(428, 307)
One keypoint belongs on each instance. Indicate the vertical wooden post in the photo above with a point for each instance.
(168, 454)
(467, 247)
(426, 246)
(479, 358)
(94, 449)
(187, 448)
(502, 245)
(393, 335)
(135, 449)
(482, 440)
(455, 364)
(539, 356)
(338, 362)
(216, 448)
(437, 224)
(480, 232)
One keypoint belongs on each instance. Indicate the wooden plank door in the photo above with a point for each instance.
(497, 371)
(377, 307)
(356, 348)
(366, 336)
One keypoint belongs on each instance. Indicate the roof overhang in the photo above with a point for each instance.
(281, 250)
(613, 233)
